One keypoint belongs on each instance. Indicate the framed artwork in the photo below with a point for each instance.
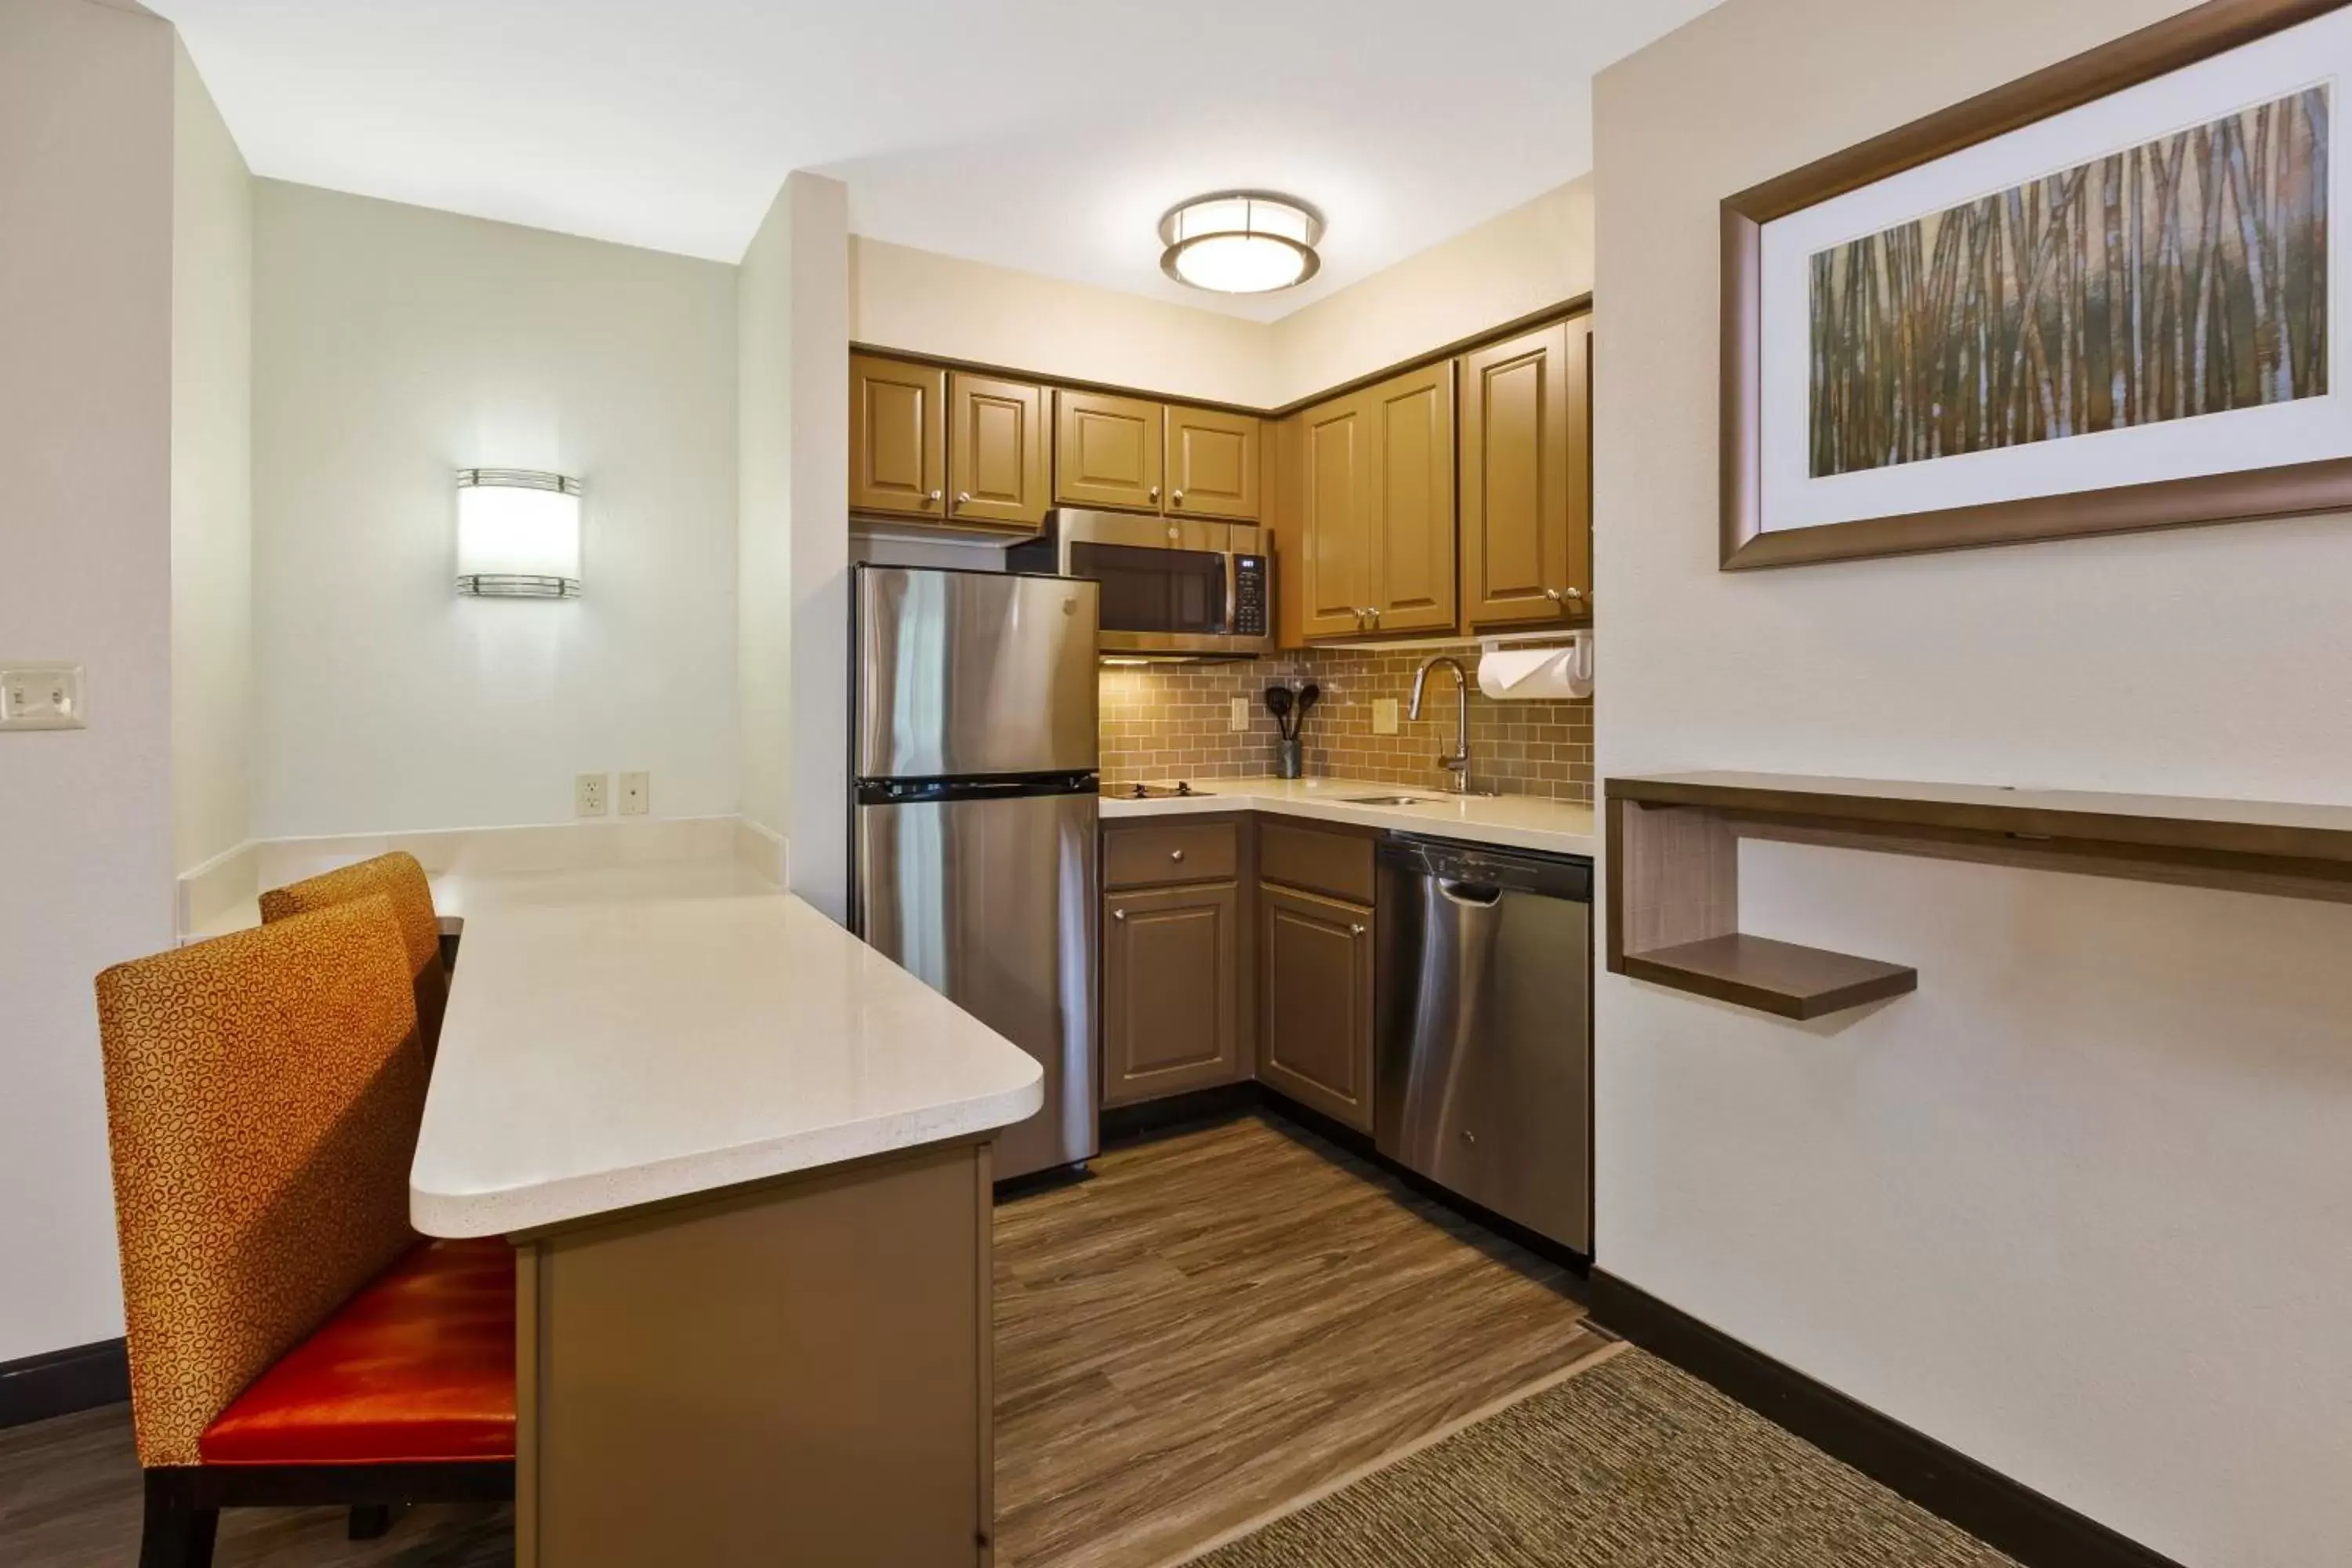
(2100, 299)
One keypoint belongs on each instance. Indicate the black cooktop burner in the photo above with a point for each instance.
(1149, 790)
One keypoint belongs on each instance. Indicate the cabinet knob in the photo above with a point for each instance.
(1119, 914)
(1355, 930)
(934, 496)
(1155, 493)
(963, 498)
(1175, 854)
(1178, 497)
(1560, 597)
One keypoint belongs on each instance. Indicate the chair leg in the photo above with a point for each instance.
(177, 1533)
(371, 1520)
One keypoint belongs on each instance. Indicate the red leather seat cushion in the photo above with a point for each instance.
(418, 1367)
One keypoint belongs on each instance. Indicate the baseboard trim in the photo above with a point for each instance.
(2039, 1532)
(62, 1382)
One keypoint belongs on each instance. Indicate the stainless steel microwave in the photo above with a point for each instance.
(1170, 587)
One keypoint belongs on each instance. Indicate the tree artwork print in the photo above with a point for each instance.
(2182, 277)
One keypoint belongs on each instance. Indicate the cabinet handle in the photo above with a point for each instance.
(963, 498)
(1178, 497)
(1119, 914)
(1155, 493)
(1175, 854)
(1355, 930)
(933, 498)
(1559, 597)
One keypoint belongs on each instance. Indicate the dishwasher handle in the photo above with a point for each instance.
(1476, 895)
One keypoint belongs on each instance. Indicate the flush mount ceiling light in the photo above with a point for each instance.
(1240, 242)
(518, 534)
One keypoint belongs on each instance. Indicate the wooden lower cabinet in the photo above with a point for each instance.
(1171, 990)
(1315, 1036)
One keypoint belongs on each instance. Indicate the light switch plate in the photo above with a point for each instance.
(588, 794)
(1384, 715)
(636, 793)
(1240, 714)
(42, 695)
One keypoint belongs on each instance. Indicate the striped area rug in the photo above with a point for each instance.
(1630, 1464)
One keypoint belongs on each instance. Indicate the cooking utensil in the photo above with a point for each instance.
(1308, 696)
(1279, 701)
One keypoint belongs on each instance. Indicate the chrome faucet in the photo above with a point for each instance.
(1458, 764)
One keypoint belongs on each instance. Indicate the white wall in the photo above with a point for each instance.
(212, 478)
(817, 241)
(1535, 255)
(924, 303)
(85, 463)
(1527, 259)
(2082, 1208)
(763, 367)
(394, 345)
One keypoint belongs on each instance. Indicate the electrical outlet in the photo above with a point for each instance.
(41, 697)
(636, 793)
(1384, 715)
(588, 794)
(1240, 714)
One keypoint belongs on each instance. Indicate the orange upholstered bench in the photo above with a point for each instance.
(292, 1341)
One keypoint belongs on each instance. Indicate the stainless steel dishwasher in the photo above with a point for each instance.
(1482, 1031)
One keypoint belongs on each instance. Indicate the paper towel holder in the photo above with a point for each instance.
(1578, 642)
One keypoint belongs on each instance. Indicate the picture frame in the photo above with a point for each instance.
(1845, 436)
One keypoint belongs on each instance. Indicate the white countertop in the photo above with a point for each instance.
(624, 1036)
(1515, 821)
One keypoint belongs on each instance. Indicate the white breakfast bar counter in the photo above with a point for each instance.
(743, 1159)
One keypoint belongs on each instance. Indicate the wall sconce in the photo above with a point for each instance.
(518, 534)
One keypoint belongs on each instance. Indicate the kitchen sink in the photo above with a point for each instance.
(1387, 800)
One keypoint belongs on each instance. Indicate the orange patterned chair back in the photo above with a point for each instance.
(399, 877)
(262, 1092)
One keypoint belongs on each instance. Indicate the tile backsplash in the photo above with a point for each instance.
(1174, 721)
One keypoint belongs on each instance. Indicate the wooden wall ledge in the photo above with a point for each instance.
(1673, 864)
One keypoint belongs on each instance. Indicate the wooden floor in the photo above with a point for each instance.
(1211, 1325)
(1219, 1322)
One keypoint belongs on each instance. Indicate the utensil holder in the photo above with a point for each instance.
(1289, 760)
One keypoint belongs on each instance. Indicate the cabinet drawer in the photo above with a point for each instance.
(1338, 864)
(1177, 852)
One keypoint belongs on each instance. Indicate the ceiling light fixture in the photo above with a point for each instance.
(1240, 242)
(518, 534)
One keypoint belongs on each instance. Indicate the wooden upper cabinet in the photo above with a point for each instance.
(897, 438)
(1333, 564)
(998, 472)
(1411, 425)
(1527, 478)
(1213, 464)
(1107, 450)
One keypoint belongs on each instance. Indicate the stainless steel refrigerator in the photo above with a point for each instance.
(974, 858)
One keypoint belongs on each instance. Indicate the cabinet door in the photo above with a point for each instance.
(996, 451)
(1335, 555)
(1412, 428)
(1315, 1040)
(1107, 450)
(897, 438)
(1213, 464)
(1526, 531)
(1171, 990)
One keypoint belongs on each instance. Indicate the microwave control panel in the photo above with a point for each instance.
(1249, 596)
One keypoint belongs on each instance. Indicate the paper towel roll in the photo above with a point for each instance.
(1531, 675)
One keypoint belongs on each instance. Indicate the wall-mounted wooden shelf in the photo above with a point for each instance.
(1673, 864)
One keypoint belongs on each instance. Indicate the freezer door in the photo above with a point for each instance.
(973, 674)
(993, 903)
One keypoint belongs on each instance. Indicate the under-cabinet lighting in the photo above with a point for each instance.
(518, 533)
